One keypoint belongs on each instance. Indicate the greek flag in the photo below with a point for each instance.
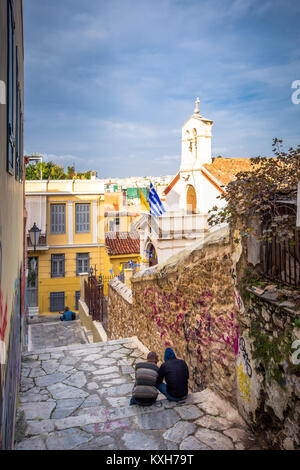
(156, 207)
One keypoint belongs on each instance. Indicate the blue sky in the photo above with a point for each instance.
(108, 84)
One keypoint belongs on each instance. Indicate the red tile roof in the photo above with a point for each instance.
(222, 169)
(225, 169)
(122, 243)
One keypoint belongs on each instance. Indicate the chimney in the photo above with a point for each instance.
(93, 175)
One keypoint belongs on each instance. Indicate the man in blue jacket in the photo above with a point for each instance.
(68, 315)
(176, 374)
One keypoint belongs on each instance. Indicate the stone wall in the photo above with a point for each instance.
(242, 341)
(268, 363)
(186, 303)
(119, 307)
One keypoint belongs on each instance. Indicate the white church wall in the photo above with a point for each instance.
(207, 196)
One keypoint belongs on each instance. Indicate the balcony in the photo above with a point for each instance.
(175, 225)
(42, 244)
(182, 225)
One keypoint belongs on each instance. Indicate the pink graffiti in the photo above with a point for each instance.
(110, 425)
(3, 317)
(207, 330)
(237, 300)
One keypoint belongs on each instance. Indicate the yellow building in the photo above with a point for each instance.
(70, 216)
(81, 227)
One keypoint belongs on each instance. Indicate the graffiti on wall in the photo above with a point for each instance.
(171, 316)
(0, 254)
(9, 384)
(244, 372)
(244, 383)
(237, 298)
(220, 332)
(3, 326)
(245, 357)
(168, 311)
(13, 367)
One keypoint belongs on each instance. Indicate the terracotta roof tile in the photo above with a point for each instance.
(121, 243)
(225, 169)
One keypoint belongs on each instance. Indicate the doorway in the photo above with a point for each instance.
(32, 282)
(191, 199)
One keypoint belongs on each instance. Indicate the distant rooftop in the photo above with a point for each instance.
(121, 243)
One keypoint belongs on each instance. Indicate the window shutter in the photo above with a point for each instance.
(57, 218)
(82, 218)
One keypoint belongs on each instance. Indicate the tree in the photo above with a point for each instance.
(263, 192)
(50, 170)
(70, 172)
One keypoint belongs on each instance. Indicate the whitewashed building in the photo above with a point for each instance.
(189, 196)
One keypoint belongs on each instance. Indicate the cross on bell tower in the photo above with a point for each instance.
(196, 110)
(196, 141)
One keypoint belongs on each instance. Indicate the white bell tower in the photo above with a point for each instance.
(196, 141)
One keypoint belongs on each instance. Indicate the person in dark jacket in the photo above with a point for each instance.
(144, 392)
(68, 315)
(176, 374)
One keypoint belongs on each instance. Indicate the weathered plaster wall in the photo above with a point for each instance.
(186, 303)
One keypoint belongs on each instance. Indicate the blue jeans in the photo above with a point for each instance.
(162, 387)
(132, 401)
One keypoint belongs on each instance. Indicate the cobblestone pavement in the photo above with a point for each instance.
(77, 397)
(49, 331)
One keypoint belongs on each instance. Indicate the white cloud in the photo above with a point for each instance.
(165, 159)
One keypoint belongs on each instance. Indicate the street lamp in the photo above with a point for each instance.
(34, 235)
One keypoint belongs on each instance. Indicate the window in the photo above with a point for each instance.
(18, 124)
(82, 263)
(58, 265)
(114, 225)
(11, 89)
(19, 127)
(77, 297)
(58, 218)
(57, 301)
(21, 158)
(82, 218)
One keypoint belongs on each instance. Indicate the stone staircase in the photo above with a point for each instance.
(77, 397)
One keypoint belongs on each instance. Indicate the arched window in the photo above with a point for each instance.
(151, 255)
(191, 199)
(189, 140)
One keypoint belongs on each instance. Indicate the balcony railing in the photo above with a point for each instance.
(42, 242)
(175, 225)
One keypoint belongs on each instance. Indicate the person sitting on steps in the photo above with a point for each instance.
(176, 374)
(144, 392)
(68, 315)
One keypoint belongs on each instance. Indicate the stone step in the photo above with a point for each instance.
(79, 347)
(77, 397)
(203, 421)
